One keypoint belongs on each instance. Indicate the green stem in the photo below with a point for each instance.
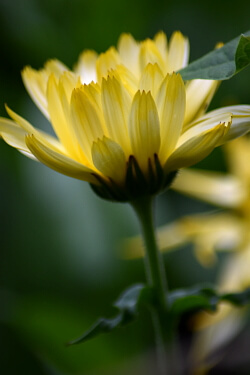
(155, 276)
(154, 264)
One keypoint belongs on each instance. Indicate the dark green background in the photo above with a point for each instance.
(60, 265)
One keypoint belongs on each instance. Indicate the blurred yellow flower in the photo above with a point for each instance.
(212, 232)
(124, 122)
(214, 330)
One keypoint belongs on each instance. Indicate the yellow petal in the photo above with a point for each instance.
(67, 82)
(171, 107)
(59, 161)
(128, 49)
(199, 94)
(149, 53)
(35, 82)
(216, 188)
(239, 120)
(93, 91)
(126, 77)
(109, 159)
(107, 61)
(86, 121)
(195, 149)
(116, 107)
(144, 128)
(86, 66)
(237, 152)
(178, 53)
(56, 67)
(39, 134)
(206, 123)
(161, 42)
(151, 79)
(14, 135)
(60, 119)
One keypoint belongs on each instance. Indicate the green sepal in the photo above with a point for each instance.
(222, 63)
(128, 305)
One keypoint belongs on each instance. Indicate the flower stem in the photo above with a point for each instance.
(156, 278)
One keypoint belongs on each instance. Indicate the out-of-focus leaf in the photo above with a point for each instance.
(180, 302)
(196, 298)
(222, 63)
(237, 299)
(203, 298)
(127, 304)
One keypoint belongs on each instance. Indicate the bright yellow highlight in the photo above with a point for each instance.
(124, 112)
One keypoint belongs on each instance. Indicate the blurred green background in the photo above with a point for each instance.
(61, 266)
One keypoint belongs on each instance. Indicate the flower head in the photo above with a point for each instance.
(123, 120)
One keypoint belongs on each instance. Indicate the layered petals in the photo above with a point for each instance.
(195, 149)
(36, 82)
(58, 161)
(124, 118)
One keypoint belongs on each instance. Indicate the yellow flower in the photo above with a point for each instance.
(124, 122)
(226, 190)
(226, 231)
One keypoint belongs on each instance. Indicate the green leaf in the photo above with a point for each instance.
(180, 301)
(222, 63)
(195, 298)
(127, 304)
(237, 299)
(203, 298)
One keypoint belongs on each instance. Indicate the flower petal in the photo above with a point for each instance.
(171, 107)
(35, 82)
(178, 53)
(195, 149)
(58, 111)
(216, 188)
(205, 124)
(151, 79)
(161, 42)
(149, 53)
(128, 79)
(199, 94)
(86, 120)
(107, 61)
(144, 128)
(109, 159)
(14, 135)
(239, 122)
(237, 152)
(240, 126)
(128, 49)
(86, 66)
(59, 161)
(116, 103)
(29, 129)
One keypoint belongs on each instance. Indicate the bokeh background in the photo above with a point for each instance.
(61, 264)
